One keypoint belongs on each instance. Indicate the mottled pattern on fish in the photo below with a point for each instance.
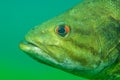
(84, 40)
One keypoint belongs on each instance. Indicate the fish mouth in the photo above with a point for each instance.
(39, 53)
(27, 46)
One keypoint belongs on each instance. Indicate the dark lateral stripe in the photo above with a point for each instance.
(82, 31)
(83, 46)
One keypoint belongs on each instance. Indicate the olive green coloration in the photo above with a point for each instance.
(90, 48)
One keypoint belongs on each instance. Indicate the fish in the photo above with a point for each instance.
(84, 40)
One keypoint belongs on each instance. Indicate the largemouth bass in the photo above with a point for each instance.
(84, 40)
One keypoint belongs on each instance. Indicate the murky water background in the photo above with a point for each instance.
(17, 17)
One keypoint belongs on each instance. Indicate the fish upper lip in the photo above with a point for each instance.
(30, 43)
(34, 44)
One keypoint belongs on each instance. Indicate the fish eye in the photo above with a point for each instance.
(62, 30)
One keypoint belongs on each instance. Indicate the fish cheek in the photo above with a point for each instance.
(57, 53)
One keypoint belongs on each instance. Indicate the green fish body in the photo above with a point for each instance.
(84, 41)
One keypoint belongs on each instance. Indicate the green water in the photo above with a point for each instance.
(16, 18)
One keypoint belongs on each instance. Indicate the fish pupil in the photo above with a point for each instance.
(61, 29)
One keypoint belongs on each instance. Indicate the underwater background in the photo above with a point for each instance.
(17, 17)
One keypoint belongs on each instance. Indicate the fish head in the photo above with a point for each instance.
(69, 42)
(63, 44)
